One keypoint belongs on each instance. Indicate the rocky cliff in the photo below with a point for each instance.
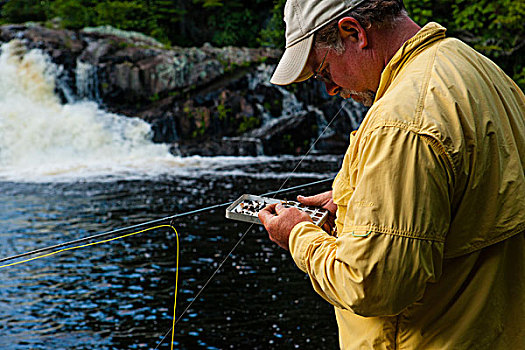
(205, 100)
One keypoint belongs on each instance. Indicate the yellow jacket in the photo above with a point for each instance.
(430, 251)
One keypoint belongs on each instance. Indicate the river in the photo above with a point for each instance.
(70, 170)
(119, 295)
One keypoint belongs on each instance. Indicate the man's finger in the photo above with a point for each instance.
(317, 200)
(267, 213)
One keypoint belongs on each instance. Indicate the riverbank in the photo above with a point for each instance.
(199, 101)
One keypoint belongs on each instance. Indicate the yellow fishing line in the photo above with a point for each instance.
(113, 239)
(176, 280)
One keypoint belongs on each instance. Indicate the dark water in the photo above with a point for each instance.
(119, 295)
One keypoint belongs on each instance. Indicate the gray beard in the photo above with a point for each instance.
(365, 98)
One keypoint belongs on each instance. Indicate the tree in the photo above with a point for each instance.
(493, 27)
(272, 34)
(169, 16)
(74, 14)
(126, 15)
(19, 11)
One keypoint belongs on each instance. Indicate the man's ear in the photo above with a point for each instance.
(350, 28)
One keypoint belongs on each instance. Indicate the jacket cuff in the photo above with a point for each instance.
(300, 238)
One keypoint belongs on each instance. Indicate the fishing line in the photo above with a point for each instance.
(114, 239)
(248, 229)
(173, 217)
(104, 234)
(204, 286)
(152, 222)
(87, 245)
(176, 288)
(313, 144)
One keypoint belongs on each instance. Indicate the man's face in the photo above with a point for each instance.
(342, 74)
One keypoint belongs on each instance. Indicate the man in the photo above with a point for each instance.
(429, 251)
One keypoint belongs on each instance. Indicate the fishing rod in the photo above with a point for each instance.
(152, 222)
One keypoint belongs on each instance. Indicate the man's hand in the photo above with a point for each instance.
(322, 200)
(279, 222)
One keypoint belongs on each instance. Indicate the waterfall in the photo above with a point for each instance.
(86, 79)
(40, 135)
(45, 140)
(355, 113)
(291, 105)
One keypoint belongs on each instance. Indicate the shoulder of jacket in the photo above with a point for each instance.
(414, 98)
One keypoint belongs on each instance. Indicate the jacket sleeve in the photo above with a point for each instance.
(395, 222)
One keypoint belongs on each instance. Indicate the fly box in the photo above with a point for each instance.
(247, 207)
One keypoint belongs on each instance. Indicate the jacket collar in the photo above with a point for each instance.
(410, 49)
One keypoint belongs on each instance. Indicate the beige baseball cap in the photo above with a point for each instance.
(303, 18)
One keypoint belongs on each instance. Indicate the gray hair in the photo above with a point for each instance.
(378, 13)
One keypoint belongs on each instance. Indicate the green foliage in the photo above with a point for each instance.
(519, 77)
(199, 131)
(165, 18)
(273, 34)
(248, 123)
(19, 11)
(181, 22)
(209, 3)
(493, 27)
(497, 27)
(228, 32)
(74, 14)
(154, 98)
(232, 22)
(223, 111)
(424, 11)
(123, 15)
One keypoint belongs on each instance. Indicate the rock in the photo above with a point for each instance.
(63, 46)
(206, 101)
(135, 37)
(288, 134)
(235, 146)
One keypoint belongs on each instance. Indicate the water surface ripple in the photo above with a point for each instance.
(119, 295)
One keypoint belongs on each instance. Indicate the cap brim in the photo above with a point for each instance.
(291, 66)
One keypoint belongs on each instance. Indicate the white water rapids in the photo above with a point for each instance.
(42, 138)
(45, 140)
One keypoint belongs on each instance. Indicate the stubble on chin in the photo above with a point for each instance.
(365, 98)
